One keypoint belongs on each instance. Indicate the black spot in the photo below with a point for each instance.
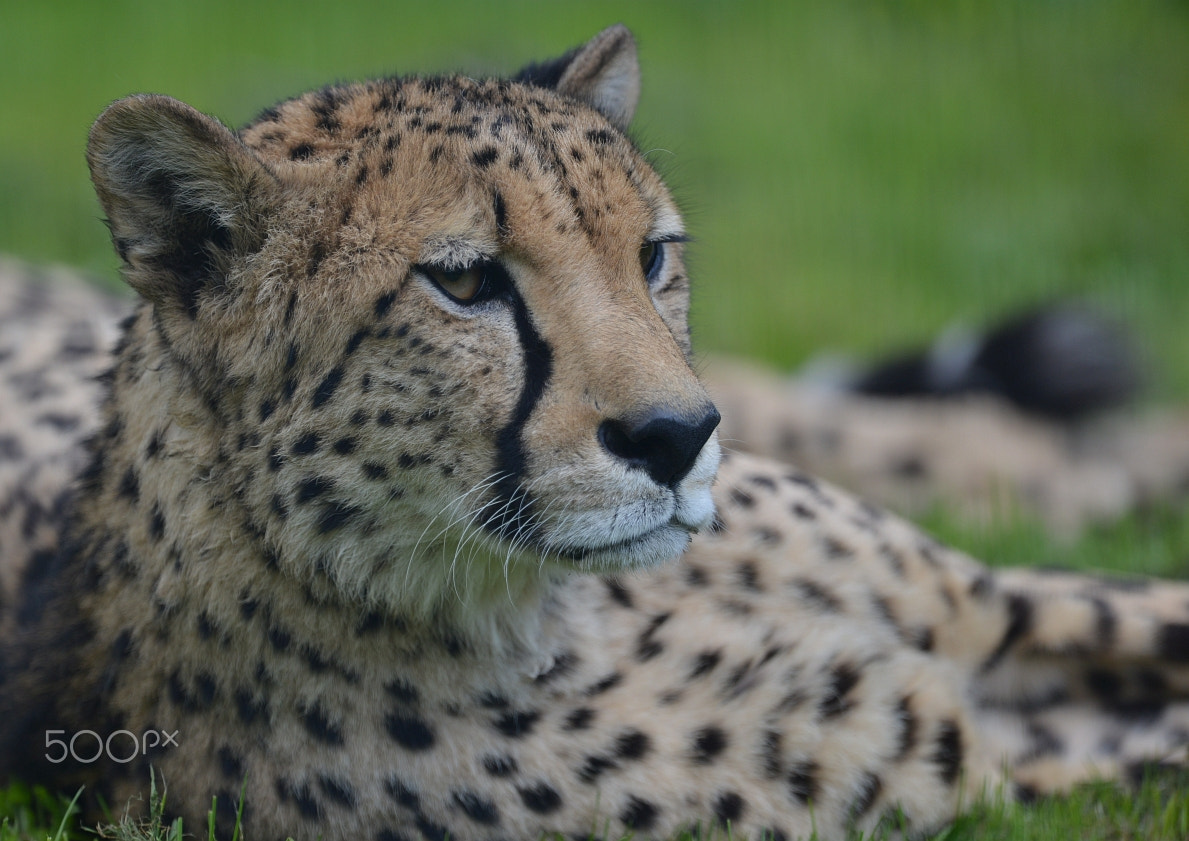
(949, 753)
(157, 523)
(708, 743)
(922, 639)
(250, 708)
(130, 485)
(402, 690)
(500, 766)
(562, 665)
(749, 577)
(492, 701)
(1172, 642)
(604, 685)
(231, 763)
(593, 768)
(318, 724)
(196, 697)
(541, 798)
(326, 388)
(312, 487)
(307, 805)
(911, 466)
(248, 607)
(579, 719)
(478, 809)
(639, 814)
(742, 498)
(305, 445)
(843, 679)
(1019, 622)
(338, 790)
(355, 341)
(771, 753)
(982, 586)
(301, 152)
(802, 781)
(646, 647)
(705, 662)
(501, 214)
(1104, 684)
(517, 724)
(335, 516)
(632, 745)
(485, 157)
(908, 728)
(619, 593)
(279, 637)
(696, 576)
(384, 303)
(869, 789)
(836, 550)
(600, 136)
(374, 470)
(206, 627)
(409, 732)
(402, 794)
(728, 807)
(817, 595)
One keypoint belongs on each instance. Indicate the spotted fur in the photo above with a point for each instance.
(388, 509)
(973, 454)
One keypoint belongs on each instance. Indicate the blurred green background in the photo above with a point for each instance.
(857, 174)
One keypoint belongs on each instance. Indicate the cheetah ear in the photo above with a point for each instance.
(604, 73)
(183, 197)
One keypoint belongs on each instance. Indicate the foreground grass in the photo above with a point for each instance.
(1157, 811)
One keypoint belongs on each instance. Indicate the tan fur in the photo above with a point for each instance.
(399, 563)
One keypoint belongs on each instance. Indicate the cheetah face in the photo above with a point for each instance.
(447, 316)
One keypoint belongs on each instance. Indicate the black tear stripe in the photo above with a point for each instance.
(509, 514)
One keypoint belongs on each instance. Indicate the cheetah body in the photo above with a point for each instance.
(405, 550)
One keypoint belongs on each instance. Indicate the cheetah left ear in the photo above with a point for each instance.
(604, 73)
(184, 198)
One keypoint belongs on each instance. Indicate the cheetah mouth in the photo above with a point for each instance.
(655, 545)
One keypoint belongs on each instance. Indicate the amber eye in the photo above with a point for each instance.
(651, 258)
(463, 285)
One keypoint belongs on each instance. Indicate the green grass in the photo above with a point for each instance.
(1157, 811)
(856, 174)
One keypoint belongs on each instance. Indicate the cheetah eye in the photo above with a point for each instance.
(651, 259)
(469, 285)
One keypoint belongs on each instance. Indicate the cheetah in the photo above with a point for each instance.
(405, 512)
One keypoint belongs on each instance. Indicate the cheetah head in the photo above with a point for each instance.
(431, 332)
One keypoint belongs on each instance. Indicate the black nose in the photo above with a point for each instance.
(664, 443)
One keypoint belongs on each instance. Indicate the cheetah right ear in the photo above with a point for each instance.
(604, 73)
(183, 196)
